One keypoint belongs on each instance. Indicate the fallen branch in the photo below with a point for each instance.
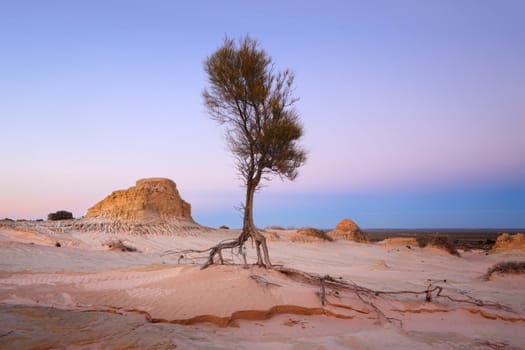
(333, 286)
(340, 285)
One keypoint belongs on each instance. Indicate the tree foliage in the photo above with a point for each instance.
(256, 105)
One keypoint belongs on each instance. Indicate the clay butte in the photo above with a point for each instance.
(151, 201)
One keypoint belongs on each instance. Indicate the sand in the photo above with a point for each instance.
(84, 295)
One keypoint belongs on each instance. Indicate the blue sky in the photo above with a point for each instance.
(414, 111)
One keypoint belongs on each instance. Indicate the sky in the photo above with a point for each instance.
(413, 111)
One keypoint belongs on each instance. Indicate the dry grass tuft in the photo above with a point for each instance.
(506, 267)
(120, 246)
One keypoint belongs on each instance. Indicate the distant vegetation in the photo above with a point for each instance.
(441, 242)
(510, 267)
(60, 215)
(274, 228)
(224, 227)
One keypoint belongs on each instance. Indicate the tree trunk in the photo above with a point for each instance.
(249, 229)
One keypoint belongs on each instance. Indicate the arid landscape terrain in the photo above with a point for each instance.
(298, 175)
(128, 275)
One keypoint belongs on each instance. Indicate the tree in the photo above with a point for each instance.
(256, 105)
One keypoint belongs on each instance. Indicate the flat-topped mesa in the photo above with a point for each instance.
(151, 201)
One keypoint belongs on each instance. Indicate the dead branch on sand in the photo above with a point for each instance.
(329, 285)
(366, 295)
(212, 252)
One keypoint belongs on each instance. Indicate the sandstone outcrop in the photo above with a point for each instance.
(348, 230)
(506, 242)
(400, 241)
(151, 201)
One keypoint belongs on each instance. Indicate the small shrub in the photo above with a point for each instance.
(510, 267)
(119, 245)
(224, 227)
(60, 215)
(443, 243)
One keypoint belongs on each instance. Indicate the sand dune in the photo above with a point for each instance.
(153, 299)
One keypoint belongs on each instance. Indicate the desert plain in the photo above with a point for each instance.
(100, 283)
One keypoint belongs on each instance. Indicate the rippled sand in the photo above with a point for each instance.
(84, 295)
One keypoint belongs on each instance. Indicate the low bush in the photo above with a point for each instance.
(508, 267)
(60, 215)
(444, 243)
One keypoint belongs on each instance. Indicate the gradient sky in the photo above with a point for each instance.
(414, 111)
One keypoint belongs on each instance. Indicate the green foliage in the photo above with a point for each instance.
(257, 107)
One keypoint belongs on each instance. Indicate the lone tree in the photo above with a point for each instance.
(256, 105)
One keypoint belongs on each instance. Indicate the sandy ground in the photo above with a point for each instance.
(83, 295)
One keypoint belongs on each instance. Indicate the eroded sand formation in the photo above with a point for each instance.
(506, 242)
(352, 295)
(153, 206)
(348, 230)
(151, 201)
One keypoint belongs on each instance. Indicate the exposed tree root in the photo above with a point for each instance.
(331, 290)
(236, 247)
(432, 292)
(264, 281)
(334, 287)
